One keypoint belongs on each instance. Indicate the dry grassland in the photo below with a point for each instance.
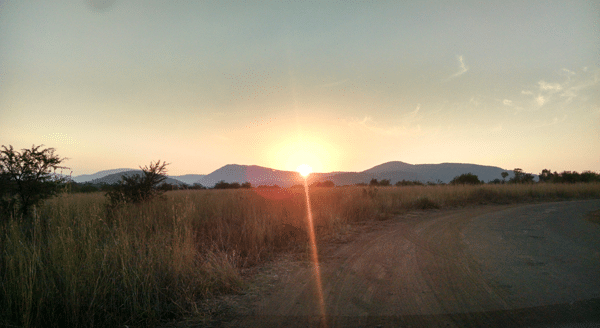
(74, 265)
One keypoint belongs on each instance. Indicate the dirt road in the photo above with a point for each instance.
(491, 266)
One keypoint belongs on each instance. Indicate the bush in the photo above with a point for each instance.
(384, 183)
(467, 178)
(137, 188)
(409, 183)
(324, 184)
(27, 178)
(521, 177)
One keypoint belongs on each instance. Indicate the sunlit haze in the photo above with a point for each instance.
(304, 170)
(338, 86)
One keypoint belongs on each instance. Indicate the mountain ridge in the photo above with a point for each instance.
(259, 175)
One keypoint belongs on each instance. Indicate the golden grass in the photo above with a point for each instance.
(72, 265)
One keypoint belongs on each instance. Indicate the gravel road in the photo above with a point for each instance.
(490, 266)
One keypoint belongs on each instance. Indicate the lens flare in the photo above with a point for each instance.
(304, 170)
(315, 256)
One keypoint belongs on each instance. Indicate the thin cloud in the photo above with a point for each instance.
(540, 100)
(551, 87)
(416, 111)
(574, 86)
(463, 68)
(554, 121)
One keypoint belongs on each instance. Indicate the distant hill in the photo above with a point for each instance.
(89, 177)
(444, 172)
(188, 178)
(257, 175)
(116, 177)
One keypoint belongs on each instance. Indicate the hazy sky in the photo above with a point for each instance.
(338, 85)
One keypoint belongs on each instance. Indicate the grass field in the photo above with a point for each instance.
(75, 265)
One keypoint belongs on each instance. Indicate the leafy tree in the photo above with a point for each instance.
(373, 182)
(467, 178)
(86, 187)
(139, 188)
(504, 175)
(437, 182)
(589, 176)
(324, 184)
(197, 186)
(521, 177)
(168, 187)
(385, 183)
(246, 185)
(546, 176)
(28, 177)
(328, 184)
(224, 185)
(409, 183)
(570, 177)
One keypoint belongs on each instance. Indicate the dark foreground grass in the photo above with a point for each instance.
(73, 265)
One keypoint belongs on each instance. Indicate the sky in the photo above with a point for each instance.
(337, 85)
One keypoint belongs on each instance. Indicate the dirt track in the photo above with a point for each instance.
(492, 266)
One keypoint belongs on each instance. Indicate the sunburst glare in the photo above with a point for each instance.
(304, 170)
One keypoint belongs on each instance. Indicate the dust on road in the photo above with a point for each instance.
(493, 266)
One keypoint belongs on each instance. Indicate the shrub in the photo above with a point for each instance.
(138, 188)
(467, 178)
(27, 178)
(325, 184)
(409, 183)
(521, 177)
(384, 183)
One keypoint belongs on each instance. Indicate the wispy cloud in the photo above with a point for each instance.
(553, 121)
(511, 104)
(416, 111)
(551, 87)
(540, 100)
(561, 92)
(463, 68)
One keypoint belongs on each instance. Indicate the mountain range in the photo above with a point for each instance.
(258, 175)
(112, 176)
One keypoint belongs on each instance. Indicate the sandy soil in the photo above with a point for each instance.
(490, 266)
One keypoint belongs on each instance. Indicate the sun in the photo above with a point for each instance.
(304, 170)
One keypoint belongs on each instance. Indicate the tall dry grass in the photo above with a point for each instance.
(74, 265)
